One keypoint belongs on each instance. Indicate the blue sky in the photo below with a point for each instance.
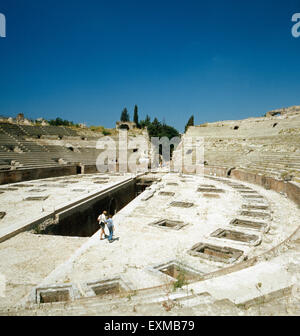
(86, 60)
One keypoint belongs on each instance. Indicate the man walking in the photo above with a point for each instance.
(110, 226)
(102, 221)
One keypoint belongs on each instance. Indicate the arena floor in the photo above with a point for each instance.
(152, 234)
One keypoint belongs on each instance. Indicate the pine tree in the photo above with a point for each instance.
(136, 116)
(125, 115)
(154, 129)
(146, 122)
(189, 123)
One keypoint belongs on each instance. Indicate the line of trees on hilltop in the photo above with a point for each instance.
(60, 122)
(155, 128)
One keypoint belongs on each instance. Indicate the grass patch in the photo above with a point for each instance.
(180, 279)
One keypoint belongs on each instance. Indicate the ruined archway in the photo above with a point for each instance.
(229, 171)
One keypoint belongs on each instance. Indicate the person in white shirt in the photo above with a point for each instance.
(102, 221)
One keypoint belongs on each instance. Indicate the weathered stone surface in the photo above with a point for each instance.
(254, 161)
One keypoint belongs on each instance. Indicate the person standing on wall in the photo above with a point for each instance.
(102, 221)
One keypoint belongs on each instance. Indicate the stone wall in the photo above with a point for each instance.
(266, 145)
(129, 125)
(81, 219)
(248, 128)
(89, 169)
(291, 189)
(19, 175)
(283, 111)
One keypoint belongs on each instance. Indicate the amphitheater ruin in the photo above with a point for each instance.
(223, 243)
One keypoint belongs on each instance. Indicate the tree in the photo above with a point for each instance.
(136, 116)
(189, 123)
(154, 129)
(157, 129)
(60, 122)
(170, 132)
(125, 115)
(160, 130)
(146, 122)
